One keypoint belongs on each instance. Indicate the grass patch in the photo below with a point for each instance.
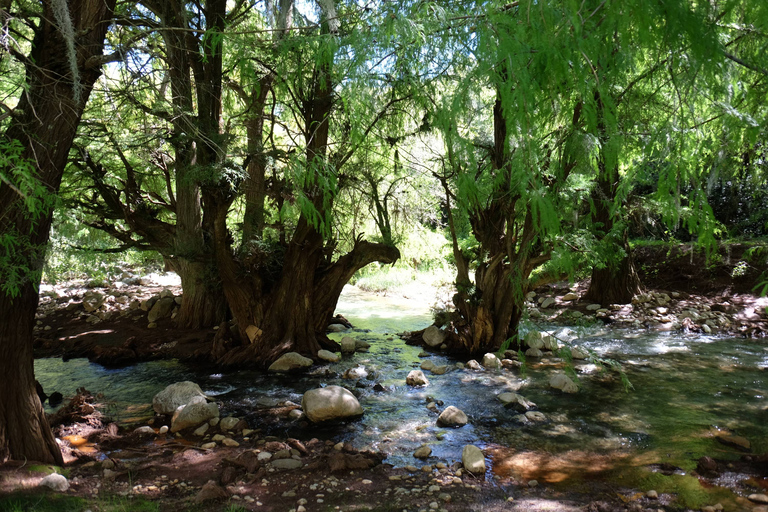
(41, 502)
(687, 489)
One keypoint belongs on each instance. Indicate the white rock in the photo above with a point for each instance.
(433, 336)
(193, 415)
(327, 355)
(163, 430)
(515, 401)
(356, 373)
(145, 430)
(563, 382)
(330, 402)
(416, 378)
(473, 365)
(570, 296)
(473, 459)
(56, 482)
(290, 362)
(491, 361)
(175, 395)
(452, 417)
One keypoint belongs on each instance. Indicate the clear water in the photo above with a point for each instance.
(686, 389)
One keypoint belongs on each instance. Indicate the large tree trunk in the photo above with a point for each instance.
(45, 123)
(203, 303)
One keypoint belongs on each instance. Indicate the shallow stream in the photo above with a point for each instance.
(687, 390)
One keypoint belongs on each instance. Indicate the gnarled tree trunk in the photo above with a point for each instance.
(44, 122)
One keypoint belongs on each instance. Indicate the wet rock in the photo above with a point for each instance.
(327, 355)
(362, 346)
(416, 378)
(211, 491)
(347, 345)
(423, 452)
(330, 402)
(356, 373)
(174, 396)
(193, 415)
(535, 416)
(161, 309)
(427, 365)
(474, 365)
(452, 417)
(490, 361)
(292, 361)
(515, 401)
(534, 352)
(563, 382)
(58, 483)
(433, 336)
(473, 459)
(440, 370)
(533, 339)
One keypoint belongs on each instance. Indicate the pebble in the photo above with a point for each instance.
(230, 442)
(652, 495)
(367, 482)
(208, 446)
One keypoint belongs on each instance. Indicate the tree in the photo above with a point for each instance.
(64, 61)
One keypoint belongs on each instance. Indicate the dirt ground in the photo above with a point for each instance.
(107, 463)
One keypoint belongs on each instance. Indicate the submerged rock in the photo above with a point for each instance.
(563, 382)
(515, 401)
(330, 402)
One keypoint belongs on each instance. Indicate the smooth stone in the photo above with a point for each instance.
(330, 402)
(327, 355)
(593, 307)
(290, 362)
(423, 452)
(193, 415)
(208, 446)
(440, 370)
(758, 498)
(534, 339)
(472, 459)
(287, 464)
(570, 296)
(534, 352)
(230, 442)
(652, 495)
(547, 302)
(347, 345)
(563, 382)
(433, 336)
(490, 361)
(228, 423)
(535, 416)
(427, 365)
(579, 353)
(452, 417)
(473, 365)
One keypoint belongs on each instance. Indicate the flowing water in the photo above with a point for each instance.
(687, 390)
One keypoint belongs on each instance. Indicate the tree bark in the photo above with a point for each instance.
(45, 122)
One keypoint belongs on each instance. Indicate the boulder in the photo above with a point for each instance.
(550, 342)
(329, 403)
(327, 355)
(416, 378)
(490, 361)
(440, 370)
(292, 361)
(347, 345)
(563, 382)
(55, 481)
(533, 352)
(452, 417)
(472, 459)
(193, 415)
(534, 339)
(433, 336)
(336, 328)
(161, 309)
(174, 396)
